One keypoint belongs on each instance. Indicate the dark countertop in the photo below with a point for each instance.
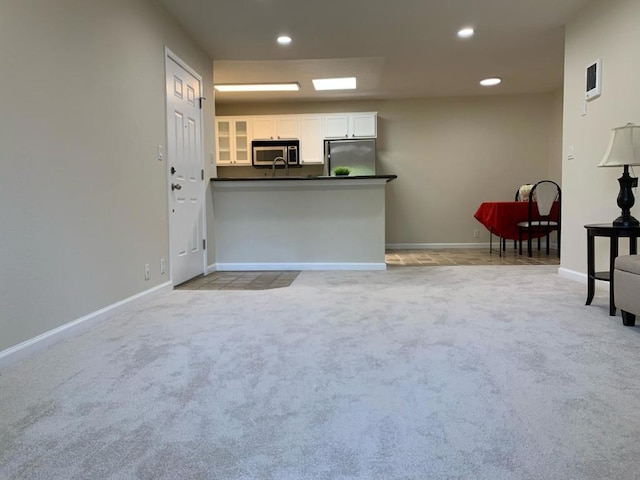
(309, 177)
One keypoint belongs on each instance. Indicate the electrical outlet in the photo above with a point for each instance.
(147, 271)
(162, 266)
(476, 233)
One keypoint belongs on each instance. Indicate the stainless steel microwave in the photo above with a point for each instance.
(265, 152)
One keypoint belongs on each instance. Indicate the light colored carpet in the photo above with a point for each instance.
(414, 373)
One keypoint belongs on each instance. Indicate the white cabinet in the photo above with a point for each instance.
(336, 126)
(287, 126)
(307, 128)
(363, 124)
(263, 128)
(311, 139)
(350, 125)
(234, 134)
(282, 126)
(233, 141)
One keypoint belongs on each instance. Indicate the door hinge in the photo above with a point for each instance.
(202, 174)
(204, 243)
(202, 99)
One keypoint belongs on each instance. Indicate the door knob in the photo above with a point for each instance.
(173, 171)
(175, 186)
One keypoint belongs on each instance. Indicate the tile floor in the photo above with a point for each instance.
(394, 258)
(241, 281)
(469, 256)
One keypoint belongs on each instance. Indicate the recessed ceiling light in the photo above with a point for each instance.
(347, 83)
(466, 32)
(284, 40)
(490, 82)
(258, 87)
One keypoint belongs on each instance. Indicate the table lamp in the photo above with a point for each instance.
(624, 150)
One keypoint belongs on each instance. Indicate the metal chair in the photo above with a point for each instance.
(539, 223)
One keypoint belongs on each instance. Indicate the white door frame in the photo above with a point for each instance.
(169, 55)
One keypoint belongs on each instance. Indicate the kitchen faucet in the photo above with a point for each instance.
(273, 166)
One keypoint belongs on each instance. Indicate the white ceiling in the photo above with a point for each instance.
(396, 49)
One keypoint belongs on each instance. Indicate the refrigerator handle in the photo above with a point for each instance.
(327, 158)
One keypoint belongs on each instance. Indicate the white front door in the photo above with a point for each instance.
(185, 163)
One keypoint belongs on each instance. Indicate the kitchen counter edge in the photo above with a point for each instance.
(389, 178)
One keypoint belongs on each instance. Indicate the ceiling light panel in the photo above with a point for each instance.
(346, 83)
(258, 87)
(284, 40)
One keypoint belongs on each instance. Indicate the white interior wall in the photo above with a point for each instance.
(606, 29)
(84, 199)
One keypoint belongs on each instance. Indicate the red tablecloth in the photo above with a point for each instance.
(502, 218)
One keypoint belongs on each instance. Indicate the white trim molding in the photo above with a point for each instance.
(572, 275)
(71, 329)
(211, 268)
(168, 53)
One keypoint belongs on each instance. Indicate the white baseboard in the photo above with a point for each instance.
(572, 275)
(68, 330)
(244, 267)
(426, 246)
(211, 269)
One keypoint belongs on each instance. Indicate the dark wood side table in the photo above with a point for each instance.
(614, 233)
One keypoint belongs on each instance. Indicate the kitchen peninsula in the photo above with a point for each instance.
(300, 223)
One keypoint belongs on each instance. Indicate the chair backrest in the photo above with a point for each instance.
(546, 192)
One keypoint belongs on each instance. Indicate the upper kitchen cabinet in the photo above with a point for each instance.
(351, 125)
(233, 141)
(264, 128)
(336, 126)
(363, 124)
(281, 126)
(287, 127)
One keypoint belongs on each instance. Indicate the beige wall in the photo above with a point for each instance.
(84, 199)
(555, 145)
(606, 29)
(450, 154)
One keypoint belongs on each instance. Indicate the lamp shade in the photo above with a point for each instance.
(624, 147)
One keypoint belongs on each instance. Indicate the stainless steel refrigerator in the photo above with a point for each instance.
(357, 154)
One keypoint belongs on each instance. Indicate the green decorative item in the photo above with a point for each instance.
(341, 171)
